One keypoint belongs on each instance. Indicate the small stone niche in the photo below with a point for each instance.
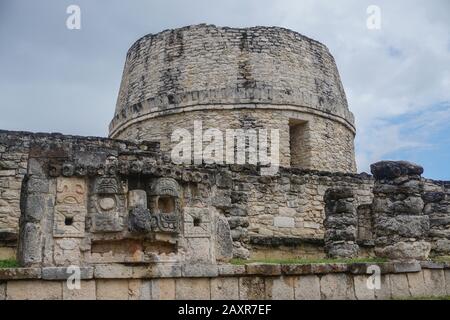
(165, 204)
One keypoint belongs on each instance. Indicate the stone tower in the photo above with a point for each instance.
(229, 78)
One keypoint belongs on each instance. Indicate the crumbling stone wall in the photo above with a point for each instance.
(411, 213)
(436, 197)
(401, 227)
(262, 212)
(14, 148)
(96, 200)
(341, 224)
(365, 224)
(226, 76)
(282, 215)
(287, 212)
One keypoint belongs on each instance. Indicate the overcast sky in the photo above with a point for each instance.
(397, 79)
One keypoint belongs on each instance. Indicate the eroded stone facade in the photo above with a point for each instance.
(108, 202)
(94, 200)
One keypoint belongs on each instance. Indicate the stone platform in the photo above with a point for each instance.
(231, 282)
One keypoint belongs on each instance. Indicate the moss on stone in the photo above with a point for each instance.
(11, 263)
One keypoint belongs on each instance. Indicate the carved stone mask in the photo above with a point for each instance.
(165, 193)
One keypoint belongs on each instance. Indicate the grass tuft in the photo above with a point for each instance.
(426, 298)
(441, 259)
(11, 263)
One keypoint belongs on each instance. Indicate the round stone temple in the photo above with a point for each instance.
(230, 78)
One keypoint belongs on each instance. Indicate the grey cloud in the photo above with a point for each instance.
(54, 79)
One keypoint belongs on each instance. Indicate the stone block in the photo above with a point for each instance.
(280, 288)
(34, 290)
(62, 273)
(67, 252)
(145, 290)
(337, 287)
(162, 289)
(364, 267)
(7, 173)
(38, 185)
(394, 169)
(198, 250)
(442, 246)
(238, 212)
(283, 222)
(433, 196)
(384, 293)
(223, 240)
(447, 281)
(35, 207)
(231, 270)
(434, 282)
(31, 253)
(197, 222)
(11, 195)
(432, 265)
(338, 193)
(87, 291)
(225, 288)
(20, 273)
(263, 269)
(399, 286)
(135, 289)
(35, 167)
(296, 269)
(324, 268)
(200, 270)
(419, 250)
(222, 202)
(311, 225)
(417, 284)
(406, 226)
(192, 289)
(307, 287)
(404, 267)
(2, 291)
(252, 288)
(112, 289)
(341, 249)
(158, 270)
(362, 290)
(111, 271)
(224, 180)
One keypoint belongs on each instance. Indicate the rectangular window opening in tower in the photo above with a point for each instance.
(298, 143)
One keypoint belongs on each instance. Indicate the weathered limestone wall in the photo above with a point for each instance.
(341, 224)
(323, 143)
(204, 72)
(282, 213)
(286, 213)
(436, 197)
(14, 148)
(228, 282)
(15, 151)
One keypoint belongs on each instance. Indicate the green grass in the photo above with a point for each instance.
(11, 263)
(427, 298)
(307, 261)
(441, 259)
